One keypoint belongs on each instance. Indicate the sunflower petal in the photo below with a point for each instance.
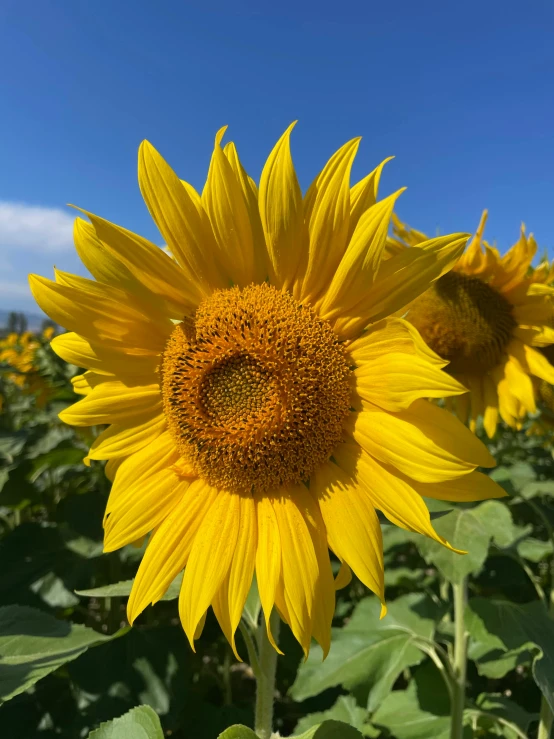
(327, 212)
(472, 487)
(126, 439)
(300, 569)
(224, 202)
(424, 442)
(183, 225)
(353, 529)
(281, 214)
(168, 550)
(388, 492)
(113, 402)
(234, 590)
(101, 320)
(139, 509)
(358, 267)
(363, 195)
(268, 559)
(210, 560)
(400, 280)
(395, 380)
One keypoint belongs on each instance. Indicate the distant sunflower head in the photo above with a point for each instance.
(261, 402)
(489, 318)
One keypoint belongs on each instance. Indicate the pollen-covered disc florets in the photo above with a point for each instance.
(255, 389)
(465, 321)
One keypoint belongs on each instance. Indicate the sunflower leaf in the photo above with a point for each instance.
(34, 644)
(504, 634)
(138, 723)
(369, 654)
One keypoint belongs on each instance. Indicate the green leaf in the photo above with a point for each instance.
(238, 732)
(369, 651)
(401, 714)
(422, 711)
(500, 706)
(470, 530)
(330, 730)
(345, 709)
(535, 550)
(514, 477)
(33, 644)
(123, 589)
(503, 634)
(534, 489)
(139, 723)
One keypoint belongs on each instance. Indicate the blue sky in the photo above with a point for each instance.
(461, 93)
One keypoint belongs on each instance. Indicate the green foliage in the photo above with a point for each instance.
(139, 723)
(70, 667)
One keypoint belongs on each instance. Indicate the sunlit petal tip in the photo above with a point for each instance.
(384, 610)
(219, 135)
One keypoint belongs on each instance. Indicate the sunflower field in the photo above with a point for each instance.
(291, 475)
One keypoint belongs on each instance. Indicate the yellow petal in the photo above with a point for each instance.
(490, 400)
(424, 442)
(400, 280)
(532, 361)
(394, 381)
(149, 264)
(111, 468)
(229, 604)
(170, 546)
(281, 213)
(80, 352)
(126, 439)
(224, 202)
(389, 492)
(475, 486)
(102, 263)
(102, 320)
(268, 559)
(113, 402)
(182, 222)
(250, 192)
(358, 267)
(535, 311)
(327, 212)
(210, 560)
(300, 569)
(344, 577)
(391, 335)
(159, 455)
(353, 529)
(140, 508)
(324, 603)
(520, 384)
(363, 195)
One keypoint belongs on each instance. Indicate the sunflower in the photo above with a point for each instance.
(19, 352)
(491, 318)
(262, 403)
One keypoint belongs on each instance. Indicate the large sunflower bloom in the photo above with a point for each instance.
(262, 404)
(491, 318)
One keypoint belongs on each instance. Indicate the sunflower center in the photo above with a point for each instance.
(465, 321)
(255, 389)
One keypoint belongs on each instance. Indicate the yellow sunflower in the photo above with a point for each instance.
(489, 317)
(19, 351)
(262, 403)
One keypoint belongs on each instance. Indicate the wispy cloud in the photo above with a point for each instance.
(34, 228)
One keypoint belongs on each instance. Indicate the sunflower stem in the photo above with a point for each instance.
(265, 690)
(460, 660)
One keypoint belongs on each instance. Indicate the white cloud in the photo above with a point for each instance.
(34, 228)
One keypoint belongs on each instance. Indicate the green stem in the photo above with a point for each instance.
(546, 717)
(265, 692)
(460, 660)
